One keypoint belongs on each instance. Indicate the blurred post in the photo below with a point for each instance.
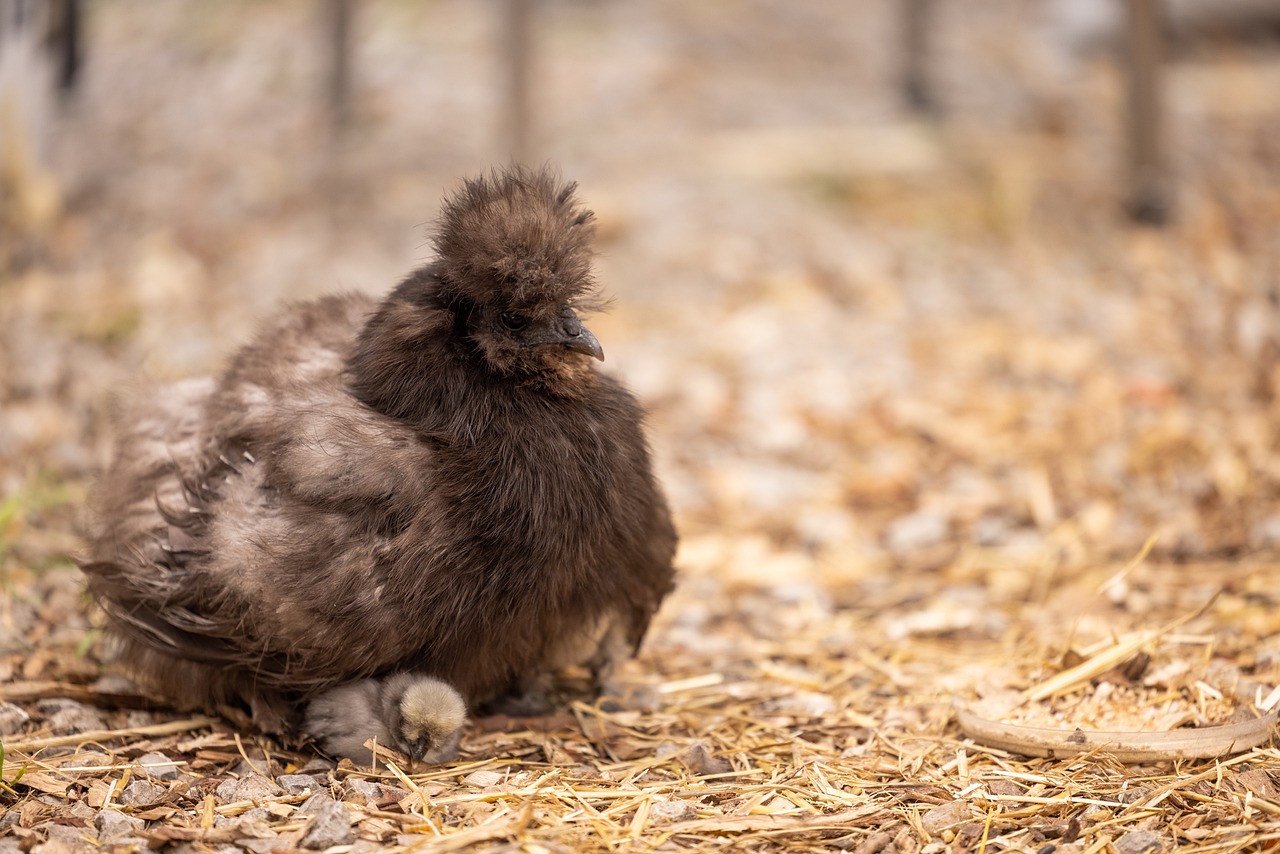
(30, 197)
(66, 38)
(517, 54)
(917, 19)
(1148, 192)
(338, 31)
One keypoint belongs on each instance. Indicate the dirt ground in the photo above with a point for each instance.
(946, 437)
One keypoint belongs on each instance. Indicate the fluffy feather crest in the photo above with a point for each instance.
(517, 237)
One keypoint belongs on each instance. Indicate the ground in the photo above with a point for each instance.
(946, 437)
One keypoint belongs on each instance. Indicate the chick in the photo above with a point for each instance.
(415, 714)
(439, 482)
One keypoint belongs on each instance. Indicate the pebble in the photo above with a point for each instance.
(251, 787)
(482, 779)
(331, 826)
(75, 718)
(113, 825)
(296, 784)
(141, 793)
(157, 766)
(1137, 842)
(669, 812)
(254, 827)
(226, 790)
(258, 846)
(700, 762)
(361, 791)
(946, 815)
(318, 766)
(875, 843)
(64, 837)
(917, 530)
(12, 719)
(314, 804)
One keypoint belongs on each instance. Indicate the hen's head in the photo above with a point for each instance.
(514, 260)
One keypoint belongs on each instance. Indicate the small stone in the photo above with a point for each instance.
(141, 793)
(318, 766)
(1004, 787)
(113, 824)
(255, 787)
(482, 779)
(139, 718)
(917, 530)
(1137, 842)
(296, 784)
(666, 750)
(810, 703)
(259, 846)
(115, 684)
(52, 830)
(226, 790)
(12, 719)
(252, 824)
(946, 815)
(361, 791)
(75, 718)
(315, 803)
(65, 839)
(388, 795)
(245, 768)
(254, 827)
(157, 766)
(669, 812)
(874, 844)
(701, 763)
(331, 826)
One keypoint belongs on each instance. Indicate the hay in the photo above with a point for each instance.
(953, 451)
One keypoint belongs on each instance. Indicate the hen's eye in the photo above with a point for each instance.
(514, 322)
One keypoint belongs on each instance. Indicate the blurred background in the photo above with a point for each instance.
(960, 294)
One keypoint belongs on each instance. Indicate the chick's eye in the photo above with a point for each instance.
(514, 322)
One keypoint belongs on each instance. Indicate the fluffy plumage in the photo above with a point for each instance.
(440, 483)
(415, 714)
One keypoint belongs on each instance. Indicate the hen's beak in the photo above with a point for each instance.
(567, 331)
(584, 342)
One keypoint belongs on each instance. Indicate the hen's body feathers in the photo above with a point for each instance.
(437, 483)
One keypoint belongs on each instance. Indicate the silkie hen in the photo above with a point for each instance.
(436, 487)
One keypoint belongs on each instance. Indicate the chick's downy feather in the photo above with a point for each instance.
(440, 482)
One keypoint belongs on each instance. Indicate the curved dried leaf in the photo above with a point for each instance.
(1198, 743)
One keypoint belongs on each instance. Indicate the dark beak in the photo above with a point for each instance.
(419, 748)
(568, 332)
(586, 343)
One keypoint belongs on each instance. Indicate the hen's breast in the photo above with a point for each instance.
(533, 532)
